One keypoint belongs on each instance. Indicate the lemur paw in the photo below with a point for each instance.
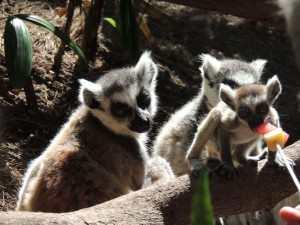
(213, 163)
(195, 167)
(227, 170)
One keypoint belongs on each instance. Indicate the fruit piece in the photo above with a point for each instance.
(274, 138)
(265, 128)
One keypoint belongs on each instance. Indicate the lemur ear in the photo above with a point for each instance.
(146, 68)
(210, 66)
(89, 93)
(259, 66)
(274, 89)
(227, 95)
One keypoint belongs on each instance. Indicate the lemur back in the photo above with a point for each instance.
(176, 136)
(100, 153)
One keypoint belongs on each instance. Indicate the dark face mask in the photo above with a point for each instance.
(141, 122)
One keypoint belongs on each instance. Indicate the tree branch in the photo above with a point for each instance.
(254, 9)
(254, 189)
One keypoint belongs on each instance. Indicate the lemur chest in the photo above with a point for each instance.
(240, 135)
(120, 157)
(243, 134)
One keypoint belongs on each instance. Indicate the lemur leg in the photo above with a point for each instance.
(158, 171)
(226, 168)
(204, 131)
(250, 153)
(30, 178)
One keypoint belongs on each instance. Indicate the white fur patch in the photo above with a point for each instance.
(85, 84)
(25, 190)
(226, 93)
(212, 93)
(272, 84)
(243, 78)
(259, 65)
(210, 64)
(113, 125)
(147, 67)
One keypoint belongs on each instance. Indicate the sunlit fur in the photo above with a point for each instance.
(95, 156)
(236, 118)
(176, 135)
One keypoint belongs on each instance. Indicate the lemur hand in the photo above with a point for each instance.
(229, 118)
(195, 165)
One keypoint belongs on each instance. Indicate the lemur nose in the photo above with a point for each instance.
(141, 123)
(145, 124)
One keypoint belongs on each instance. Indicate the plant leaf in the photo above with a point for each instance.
(111, 21)
(202, 212)
(18, 51)
(56, 30)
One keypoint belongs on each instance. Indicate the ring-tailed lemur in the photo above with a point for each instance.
(233, 123)
(176, 136)
(99, 153)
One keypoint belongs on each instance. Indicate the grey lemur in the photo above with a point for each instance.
(176, 136)
(100, 152)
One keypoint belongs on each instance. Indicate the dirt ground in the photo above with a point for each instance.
(179, 34)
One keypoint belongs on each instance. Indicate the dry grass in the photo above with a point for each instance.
(25, 133)
(179, 35)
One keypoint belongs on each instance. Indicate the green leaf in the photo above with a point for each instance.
(111, 21)
(57, 31)
(202, 212)
(18, 51)
(128, 28)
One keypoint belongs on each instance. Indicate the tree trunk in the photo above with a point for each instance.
(251, 9)
(92, 25)
(254, 189)
(30, 94)
(60, 53)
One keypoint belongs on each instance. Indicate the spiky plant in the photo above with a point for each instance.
(18, 50)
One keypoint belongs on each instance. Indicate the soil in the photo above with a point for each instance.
(178, 35)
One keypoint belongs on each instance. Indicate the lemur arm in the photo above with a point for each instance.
(225, 147)
(204, 131)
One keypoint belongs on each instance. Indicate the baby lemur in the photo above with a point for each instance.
(230, 126)
(99, 153)
(176, 136)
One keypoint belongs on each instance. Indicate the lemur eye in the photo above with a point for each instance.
(120, 109)
(244, 112)
(143, 100)
(262, 109)
(230, 83)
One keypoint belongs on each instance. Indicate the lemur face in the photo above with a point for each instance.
(234, 73)
(133, 110)
(124, 99)
(252, 102)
